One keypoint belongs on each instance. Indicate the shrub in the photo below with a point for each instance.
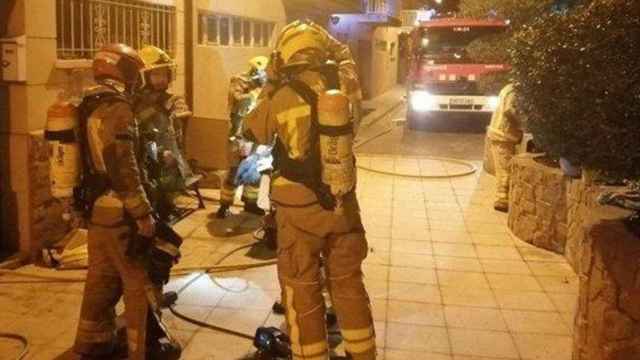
(495, 48)
(578, 82)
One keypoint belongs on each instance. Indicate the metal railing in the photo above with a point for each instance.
(84, 26)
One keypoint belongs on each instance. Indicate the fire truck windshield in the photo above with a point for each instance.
(448, 44)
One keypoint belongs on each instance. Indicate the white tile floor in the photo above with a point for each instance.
(446, 279)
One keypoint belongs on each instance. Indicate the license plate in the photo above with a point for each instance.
(460, 101)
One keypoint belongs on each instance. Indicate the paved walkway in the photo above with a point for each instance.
(446, 279)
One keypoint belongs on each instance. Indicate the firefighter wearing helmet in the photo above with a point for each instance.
(504, 133)
(244, 90)
(112, 192)
(306, 108)
(161, 116)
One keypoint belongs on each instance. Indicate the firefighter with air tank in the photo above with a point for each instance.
(244, 90)
(307, 109)
(162, 116)
(95, 150)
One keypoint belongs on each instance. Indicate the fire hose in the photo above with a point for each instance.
(17, 337)
(471, 167)
(215, 268)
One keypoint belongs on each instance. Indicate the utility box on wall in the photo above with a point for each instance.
(13, 59)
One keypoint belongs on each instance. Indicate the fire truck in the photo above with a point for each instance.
(443, 78)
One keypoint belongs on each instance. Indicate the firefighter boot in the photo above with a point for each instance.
(252, 208)
(223, 212)
(501, 205)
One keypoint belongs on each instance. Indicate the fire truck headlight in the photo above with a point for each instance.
(492, 103)
(422, 101)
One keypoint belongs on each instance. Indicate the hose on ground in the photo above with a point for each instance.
(216, 267)
(21, 339)
(39, 278)
(472, 169)
(202, 323)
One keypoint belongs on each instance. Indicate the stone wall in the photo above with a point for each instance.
(607, 323)
(537, 203)
(581, 200)
(561, 214)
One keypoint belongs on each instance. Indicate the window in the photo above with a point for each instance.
(237, 31)
(84, 26)
(246, 25)
(257, 34)
(225, 30)
(212, 29)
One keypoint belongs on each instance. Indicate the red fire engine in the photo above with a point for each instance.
(443, 79)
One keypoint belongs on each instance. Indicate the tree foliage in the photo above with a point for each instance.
(578, 82)
(494, 49)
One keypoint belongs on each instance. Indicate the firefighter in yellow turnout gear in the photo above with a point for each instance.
(161, 116)
(113, 176)
(244, 90)
(318, 214)
(505, 133)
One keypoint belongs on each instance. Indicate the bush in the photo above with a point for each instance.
(494, 49)
(578, 82)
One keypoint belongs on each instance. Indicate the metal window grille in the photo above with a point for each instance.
(84, 26)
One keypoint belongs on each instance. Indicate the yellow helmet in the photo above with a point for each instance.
(298, 36)
(156, 58)
(259, 63)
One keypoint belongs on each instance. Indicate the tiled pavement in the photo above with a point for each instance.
(446, 279)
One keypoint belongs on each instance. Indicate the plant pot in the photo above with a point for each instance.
(569, 169)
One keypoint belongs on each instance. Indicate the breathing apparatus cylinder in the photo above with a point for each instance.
(336, 144)
(64, 148)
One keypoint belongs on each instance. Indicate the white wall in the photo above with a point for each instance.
(384, 62)
(378, 69)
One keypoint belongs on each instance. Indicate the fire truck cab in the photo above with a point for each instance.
(443, 78)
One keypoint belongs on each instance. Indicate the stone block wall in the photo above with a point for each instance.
(581, 200)
(607, 323)
(537, 203)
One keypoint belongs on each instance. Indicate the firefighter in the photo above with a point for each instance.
(504, 133)
(162, 117)
(244, 90)
(317, 226)
(112, 176)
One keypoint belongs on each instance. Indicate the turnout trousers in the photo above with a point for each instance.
(503, 152)
(228, 191)
(111, 275)
(305, 234)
